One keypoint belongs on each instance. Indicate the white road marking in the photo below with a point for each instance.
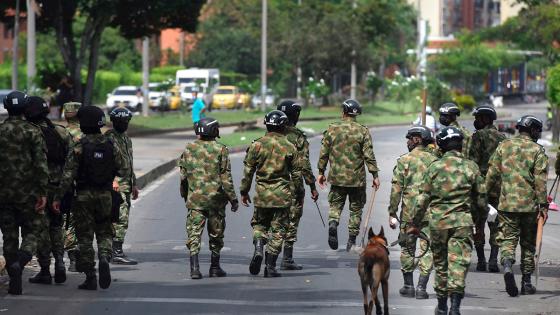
(153, 186)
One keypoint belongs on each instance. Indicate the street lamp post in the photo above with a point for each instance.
(263, 55)
(145, 75)
(31, 44)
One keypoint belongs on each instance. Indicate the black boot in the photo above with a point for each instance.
(15, 270)
(333, 238)
(441, 308)
(44, 276)
(270, 268)
(408, 289)
(59, 268)
(215, 269)
(256, 261)
(509, 278)
(72, 255)
(421, 293)
(288, 262)
(119, 257)
(195, 269)
(455, 304)
(526, 286)
(481, 265)
(351, 242)
(104, 272)
(493, 260)
(91, 281)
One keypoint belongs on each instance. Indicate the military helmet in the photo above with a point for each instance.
(91, 117)
(276, 118)
(529, 122)
(15, 100)
(208, 127)
(291, 109)
(36, 108)
(120, 114)
(447, 135)
(351, 107)
(71, 107)
(485, 110)
(424, 132)
(450, 108)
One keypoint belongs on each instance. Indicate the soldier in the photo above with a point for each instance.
(277, 165)
(347, 146)
(92, 163)
(448, 113)
(299, 139)
(51, 240)
(207, 187)
(408, 177)
(483, 144)
(73, 127)
(518, 172)
(453, 188)
(125, 186)
(24, 178)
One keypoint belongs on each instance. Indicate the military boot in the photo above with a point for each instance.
(441, 308)
(333, 238)
(104, 272)
(15, 270)
(119, 257)
(481, 265)
(256, 261)
(59, 268)
(351, 242)
(493, 260)
(509, 278)
(421, 293)
(288, 262)
(195, 269)
(526, 286)
(408, 289)
(455, 304)
(215, 269)
(72, 255)
(44, 276)
(270, 268)
(91, 281)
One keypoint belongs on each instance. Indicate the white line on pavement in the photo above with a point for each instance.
(153, 186)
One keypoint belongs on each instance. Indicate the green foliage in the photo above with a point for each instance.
(465, 102)
(231, 78)
(169, 71)
(373, 84)
(118, 52)
(404, 91)
(553, 85)
(438, 92)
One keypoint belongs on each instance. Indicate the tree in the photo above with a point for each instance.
(553, 95)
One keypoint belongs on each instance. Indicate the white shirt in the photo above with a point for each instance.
(430, 122)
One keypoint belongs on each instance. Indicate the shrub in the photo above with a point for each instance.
(465, 102)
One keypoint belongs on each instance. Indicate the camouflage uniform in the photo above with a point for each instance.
(347, 145)
(24, 176)
(518, 172)
(207, 186)
(467, 136)
(126, 183)
(299, 139)
(452, 189)
(277, 165)
(91, 207)
(408, 177)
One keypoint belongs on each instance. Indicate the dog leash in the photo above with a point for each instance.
(370, 210)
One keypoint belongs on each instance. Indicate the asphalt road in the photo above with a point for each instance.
(328, 284)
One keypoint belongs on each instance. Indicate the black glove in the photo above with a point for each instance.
(234, 205)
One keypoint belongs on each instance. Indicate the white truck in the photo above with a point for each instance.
(204, 80)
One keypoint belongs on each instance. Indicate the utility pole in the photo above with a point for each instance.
(353, 70)
(421, 57)
(31, 45)
(15, 49)
(263, 54)
(182, 49)
(298, 89)
(145, 75)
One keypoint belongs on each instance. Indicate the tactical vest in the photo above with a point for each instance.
(97, 165)
(56, 147)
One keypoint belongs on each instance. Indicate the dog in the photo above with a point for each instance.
(374, 269)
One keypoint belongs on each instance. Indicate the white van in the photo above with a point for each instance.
(207, 80)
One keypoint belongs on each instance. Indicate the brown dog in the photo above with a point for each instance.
(374, 269)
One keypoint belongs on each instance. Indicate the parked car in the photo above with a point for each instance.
(3, 94)
(159, 98)
(269, 99)
(244, 100)
(226, 97)
(125, 96)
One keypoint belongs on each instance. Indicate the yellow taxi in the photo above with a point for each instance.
(174, 98)
(226, 97)
(244, 100)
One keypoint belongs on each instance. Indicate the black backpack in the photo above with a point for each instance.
(56, 147)
(97, 169)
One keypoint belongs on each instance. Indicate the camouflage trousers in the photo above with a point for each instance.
(92, 217)
(270, 224)
(216, 227)
(51, 239)
(12, 218)
(70, 239)
(480, 236)
(294, 216)
(408, 250)
(357, 200)
(452, 250)
(517, 228)
(122, 226)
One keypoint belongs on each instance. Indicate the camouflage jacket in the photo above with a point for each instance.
(122, 140)
(408, 178)
(452, 189)
(347, 145)
(517, 174)
(55, 171)
(277, 165)
(73, 128)
(299, 139)
(483, 144)
(467, 135)
(206, 181)
(23, 158)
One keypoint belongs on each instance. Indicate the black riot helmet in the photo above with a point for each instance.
(450, 138)
(276, 121)
(15, 102)
(36, 108)
(450, 108)
(531, 125)
(208, 128)
(120, 117)
(91, 118)
(420, 131)
(485, 110)
(352, 107)
(291, 109)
